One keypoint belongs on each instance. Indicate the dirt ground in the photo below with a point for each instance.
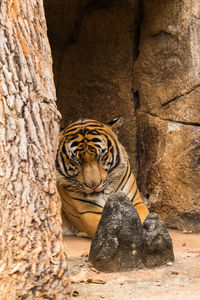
(177, 280)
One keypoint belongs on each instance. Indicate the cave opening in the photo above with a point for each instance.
(94, 44)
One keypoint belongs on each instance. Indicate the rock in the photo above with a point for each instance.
(117, 243)
(168, 65)
(157, 243)
(169, 170)
(166, 79)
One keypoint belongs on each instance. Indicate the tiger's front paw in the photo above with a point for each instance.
(82, 234)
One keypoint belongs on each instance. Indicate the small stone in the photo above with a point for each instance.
(72, 281)
(158, 248)
(81, 265)
(75, 294)
(175, 272)
(85, 254)
(94, 270)
(117, 243)
(96, 281)
(169, 263)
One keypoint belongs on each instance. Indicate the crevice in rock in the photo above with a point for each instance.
(181, 95)
(163, 33)
(136, 43)
(170, 120)
(136, 39)
(136, 99)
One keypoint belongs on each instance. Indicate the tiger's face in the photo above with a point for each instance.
(88, 152)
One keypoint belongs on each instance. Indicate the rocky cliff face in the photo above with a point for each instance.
(107, 62)
(167, 79)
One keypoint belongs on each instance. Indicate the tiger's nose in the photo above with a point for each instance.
(93, 185)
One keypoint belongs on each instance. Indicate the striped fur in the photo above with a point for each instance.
(91, 164)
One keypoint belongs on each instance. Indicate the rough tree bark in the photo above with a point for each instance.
(33, 264)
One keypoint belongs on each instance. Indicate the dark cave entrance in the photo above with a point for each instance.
(94, 44)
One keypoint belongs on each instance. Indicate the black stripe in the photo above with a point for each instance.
(63, 211)
(87, 201)
(123, 177)
(58, 167)
(68, 213)
(73, 136)
(110, 149)
(127, 180)
(57, 164)
(131, 187)
(88, 122)
(82, 123)
(117, 160)
(90, 212)
(75, 143)
(95, 140)
(134, 195)
(64, 166)
(70, 129)
(64, 150)
(139, 203)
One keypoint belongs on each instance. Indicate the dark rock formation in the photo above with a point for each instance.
(157, 242)
(121, 243)
(117, 243)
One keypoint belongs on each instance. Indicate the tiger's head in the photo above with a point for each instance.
(89, 156)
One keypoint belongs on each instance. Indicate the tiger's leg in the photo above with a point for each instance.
(140, 207)
(142, 211)
(78, 215)
(71, 223)
(67, 228)
(90, 222)
(134, 195)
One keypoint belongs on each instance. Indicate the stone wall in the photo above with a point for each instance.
(167, 80)
(101, 73)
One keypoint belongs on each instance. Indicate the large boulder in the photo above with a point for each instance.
(122, 243)
(117, 243)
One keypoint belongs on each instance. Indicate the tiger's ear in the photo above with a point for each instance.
(115, 123)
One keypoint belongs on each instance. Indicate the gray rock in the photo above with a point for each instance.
(157, 243)
(117, 243)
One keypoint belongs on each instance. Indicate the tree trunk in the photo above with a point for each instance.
(33, 262)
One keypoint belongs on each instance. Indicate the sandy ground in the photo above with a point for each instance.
(178, 280)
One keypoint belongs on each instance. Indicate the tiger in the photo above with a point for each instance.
(91, 164)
